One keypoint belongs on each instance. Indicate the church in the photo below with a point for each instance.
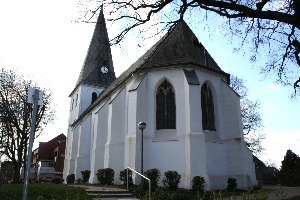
(193, 118)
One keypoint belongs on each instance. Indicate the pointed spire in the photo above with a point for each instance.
(98, 65)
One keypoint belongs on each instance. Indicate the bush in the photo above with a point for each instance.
(123, 177)
(231, 184)
(70, 178)
(198, 183)
(171, 180)
(105, 176)
(153, 175)
(79, 180)
(85, 175)
(56, 180)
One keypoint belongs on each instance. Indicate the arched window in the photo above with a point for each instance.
(72, 104)
(76, 101)
(165, 106)
(207, 105)
(94, 96)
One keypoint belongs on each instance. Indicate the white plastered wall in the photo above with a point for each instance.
(84, 145)
(99, 140)
(165, 149)
(115, 140)
(114, 148)
(194, 139)
(81, 99)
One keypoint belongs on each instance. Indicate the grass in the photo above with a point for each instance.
(43, 191)
(295, 198)
(51, 191)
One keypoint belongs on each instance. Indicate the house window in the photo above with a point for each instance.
(165, 106)
(207, 105)
(94, 96)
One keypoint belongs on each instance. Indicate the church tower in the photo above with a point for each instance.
(97, 71)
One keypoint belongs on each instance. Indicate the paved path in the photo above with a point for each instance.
(282, 191)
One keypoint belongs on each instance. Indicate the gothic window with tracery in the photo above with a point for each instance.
(207, 105)
(165, 106)
(72, 104)
(76, 101)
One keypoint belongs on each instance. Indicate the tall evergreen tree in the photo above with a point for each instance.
(290, 169)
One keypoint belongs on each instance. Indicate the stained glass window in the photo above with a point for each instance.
(207, 105)
(165, 106)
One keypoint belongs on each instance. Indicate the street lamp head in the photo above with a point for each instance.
(142, 125)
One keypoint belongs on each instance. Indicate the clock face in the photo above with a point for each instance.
(104, 69)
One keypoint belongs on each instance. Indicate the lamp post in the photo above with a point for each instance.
(142, 126)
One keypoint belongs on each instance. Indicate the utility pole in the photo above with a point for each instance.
(35, 98)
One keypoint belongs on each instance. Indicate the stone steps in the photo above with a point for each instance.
(109, 194)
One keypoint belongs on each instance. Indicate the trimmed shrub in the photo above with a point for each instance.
(70, 178)
(171, 180)
(231, 184)
(198, 183)
(105, 176)
(56, 180)
(79, 180)
(123, 177)
(85, 175)
(153, 175)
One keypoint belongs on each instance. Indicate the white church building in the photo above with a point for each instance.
(193, 118)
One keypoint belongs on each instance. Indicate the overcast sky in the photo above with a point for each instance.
(39, 39)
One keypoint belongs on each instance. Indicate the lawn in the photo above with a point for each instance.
(295, 198)
(51, 191)
(43, 191)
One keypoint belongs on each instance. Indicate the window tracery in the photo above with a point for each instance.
(165, 106)
(207, 105)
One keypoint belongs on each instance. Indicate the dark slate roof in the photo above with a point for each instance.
(178, 47)
(98, 54)
(181, 46)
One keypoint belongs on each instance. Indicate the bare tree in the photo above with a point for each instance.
(15, 117)
(269, 26)
(252, 122)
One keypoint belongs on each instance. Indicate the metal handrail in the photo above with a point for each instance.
(149, 181)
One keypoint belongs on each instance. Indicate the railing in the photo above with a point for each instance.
(149, 181)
